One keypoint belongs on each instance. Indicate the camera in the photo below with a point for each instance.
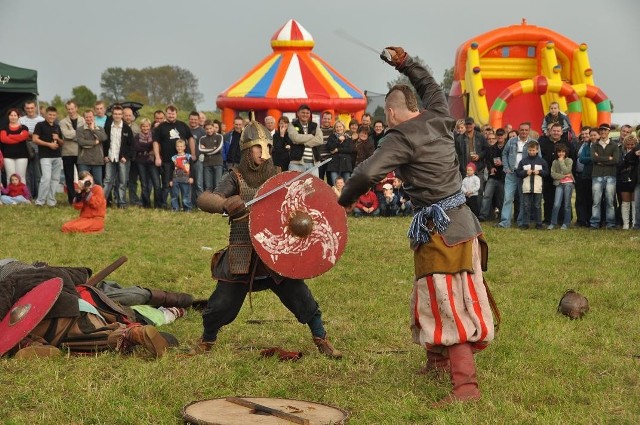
(84, 184)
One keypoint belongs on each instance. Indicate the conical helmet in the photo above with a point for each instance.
(255, 134)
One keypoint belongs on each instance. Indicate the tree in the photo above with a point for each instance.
(155, 85)
(58, 103)
(447, 80)
(172, 84)
(135, 81)
(379, 113)
(83, 96)
(403, 79)
(112, 83)
(138, 96)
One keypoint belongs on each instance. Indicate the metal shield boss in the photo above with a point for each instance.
(299, 231)
(27, 312)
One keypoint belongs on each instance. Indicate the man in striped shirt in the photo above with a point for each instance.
(306, 137)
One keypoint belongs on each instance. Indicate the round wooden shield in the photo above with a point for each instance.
(299, 231)
(261, 410)
(27, 312)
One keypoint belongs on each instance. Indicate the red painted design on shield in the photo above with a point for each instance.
(299, 231)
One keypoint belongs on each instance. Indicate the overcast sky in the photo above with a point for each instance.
(71, 42)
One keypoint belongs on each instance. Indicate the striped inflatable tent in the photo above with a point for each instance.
(291, 76)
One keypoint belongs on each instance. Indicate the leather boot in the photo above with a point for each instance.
(161, 298)
(463, 376)
(437, 365)
(326, 348)
(34, 346)
(625, 209)
(147, 336)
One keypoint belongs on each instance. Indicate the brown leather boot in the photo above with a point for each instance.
(437, 365)
(161, 298)
(325, 347)
(463, 376)
(147, 336)
(32, 347)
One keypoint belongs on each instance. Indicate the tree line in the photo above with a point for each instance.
(159, 86)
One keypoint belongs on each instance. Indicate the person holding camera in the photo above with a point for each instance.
(92, 204)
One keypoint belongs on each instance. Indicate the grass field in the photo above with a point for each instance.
(541, 369)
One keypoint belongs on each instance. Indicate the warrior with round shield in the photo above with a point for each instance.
(237, 268)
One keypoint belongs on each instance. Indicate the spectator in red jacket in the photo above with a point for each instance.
(367, 205)
(16, 192)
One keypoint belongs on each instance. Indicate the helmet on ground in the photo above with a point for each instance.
(573, 304)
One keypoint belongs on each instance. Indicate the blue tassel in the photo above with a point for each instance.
(419, 231)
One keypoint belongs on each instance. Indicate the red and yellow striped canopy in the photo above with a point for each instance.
(290, 76)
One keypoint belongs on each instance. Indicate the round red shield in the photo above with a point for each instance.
(27, 312)
(299, 231)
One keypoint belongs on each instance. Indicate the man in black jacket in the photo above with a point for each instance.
(165, 136)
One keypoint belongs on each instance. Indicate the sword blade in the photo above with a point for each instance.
(343, 34)
(287, 183)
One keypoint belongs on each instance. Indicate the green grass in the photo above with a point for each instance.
(542, 368)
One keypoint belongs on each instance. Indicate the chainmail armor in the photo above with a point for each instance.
(240, 248)
(255, 175)
(12, 266)
(250, 177)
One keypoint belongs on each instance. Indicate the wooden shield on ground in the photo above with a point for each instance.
(27, 312)
(261, 410)
(299, 231)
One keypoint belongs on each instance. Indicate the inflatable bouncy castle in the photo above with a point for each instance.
(510, 75)
(291, 76)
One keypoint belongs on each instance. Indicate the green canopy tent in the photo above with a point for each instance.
(17, 85)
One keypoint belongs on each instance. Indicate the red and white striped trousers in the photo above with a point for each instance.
(448, 309)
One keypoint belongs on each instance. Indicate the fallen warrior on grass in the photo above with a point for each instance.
(87, 318)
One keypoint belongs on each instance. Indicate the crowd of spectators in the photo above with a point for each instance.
(168, 163)
(531, 177)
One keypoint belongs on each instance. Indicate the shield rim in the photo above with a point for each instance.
(45, 300)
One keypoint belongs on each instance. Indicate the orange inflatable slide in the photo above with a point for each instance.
(512, 74)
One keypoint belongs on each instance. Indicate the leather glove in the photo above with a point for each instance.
(234, 206)
(394, 56)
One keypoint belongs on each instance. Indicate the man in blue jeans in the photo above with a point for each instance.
(48, 136)
(605, 156)
(513, 152)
